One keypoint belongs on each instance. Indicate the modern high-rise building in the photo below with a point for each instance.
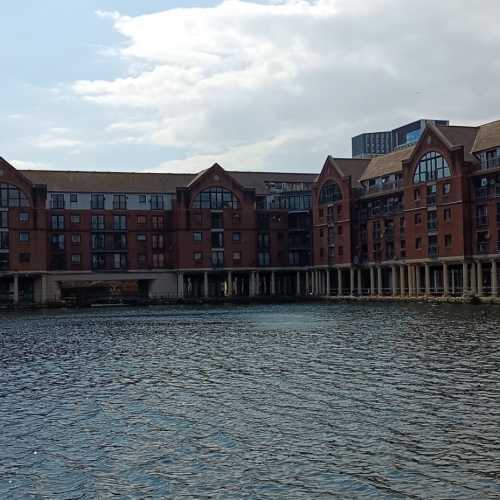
(371, 144)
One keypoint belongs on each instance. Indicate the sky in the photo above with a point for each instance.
(176, 85)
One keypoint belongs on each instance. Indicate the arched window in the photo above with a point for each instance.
(430, 167)
(216, 198)
(330, 193)
(12, 197)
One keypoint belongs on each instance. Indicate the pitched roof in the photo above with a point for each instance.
(387, 164)
(488, 137)
(353, 167)
(130, 182)
(460, 136)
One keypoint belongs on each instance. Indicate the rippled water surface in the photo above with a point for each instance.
(288, 401)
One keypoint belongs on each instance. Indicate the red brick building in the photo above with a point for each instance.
(423, 220)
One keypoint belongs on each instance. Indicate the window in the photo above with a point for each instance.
(418, 218)
(157, 222)
(24, 236)
(157, 202)
(330, 193)
(120, 241)
(416, 194)
(24, 258)
(142, 199)
(4, 219)
(76, 258)
(141, 219)
(198, 256)
(23, 217)
(217, 239)
(236, 218)
(403, 244)
(97, 222)
(321, 233)
(263, 241)
(158, 260)
(158, 241)
(447, 214)
(73, 198)
(10, 196)
(236, 236)
(75, 239)
(217, 220)
(430, 167)
(141, 237)
(264, 258)
(119, 202)
(197, 236)
(216, 198)
(119, 261)
(57, 200)
(447, 240)
(98, 261)
(141, 260)
(341, 251)
(120, 222)
(321, 213)
(418, 243)
(97, 201)
(339, 210)
(4, 241)
(339, 230)
(236, 257)
(446, 188)
(75, 219)
(98, 242)
(57, 241)
(57, 222)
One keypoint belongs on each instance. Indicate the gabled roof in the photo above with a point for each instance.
(488, 137)
(129, 182)
(459, 136)
(386, 164)
(353, 167)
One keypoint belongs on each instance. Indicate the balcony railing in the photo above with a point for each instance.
(490, 163)
(432, 226)
(388, 186)
(483, 248)
(482, 193)
(481, 220)
(431, 200)
(433, 251)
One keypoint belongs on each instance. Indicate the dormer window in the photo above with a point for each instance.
(432, 166)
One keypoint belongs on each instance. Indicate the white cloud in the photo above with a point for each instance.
(231, 81)
(30, 165)
(56, 138)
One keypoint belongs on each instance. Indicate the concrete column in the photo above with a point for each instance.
(16, 289)
(479, 278)
(394, 281)
(410, 281)
(427, 279)
(352, 280)
(307, 282)
(328, 282)
(418, 281)
(473, 279)
(205, 285)
(229, 284)
(445, 279)
(339, 279)
(360, 284)
(465, 278)
(44, 289)
(372, 281)
(379, 281)
(402, 281)
(273, 283)
(494, 278)
(180, 285)
(297, 286)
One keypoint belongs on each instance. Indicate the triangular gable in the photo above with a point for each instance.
(10, 174)
(212, 176)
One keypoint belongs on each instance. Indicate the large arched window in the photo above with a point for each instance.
(330, 193)
(430, 167)
(12, 197)
(216, 198)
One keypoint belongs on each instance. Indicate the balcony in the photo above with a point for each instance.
(380, 188)
(482, 193)
(431, 200)
(481, 220)
(483, 248)
(490, 163)
(433, 252)
(432, 226)
(389, 235)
